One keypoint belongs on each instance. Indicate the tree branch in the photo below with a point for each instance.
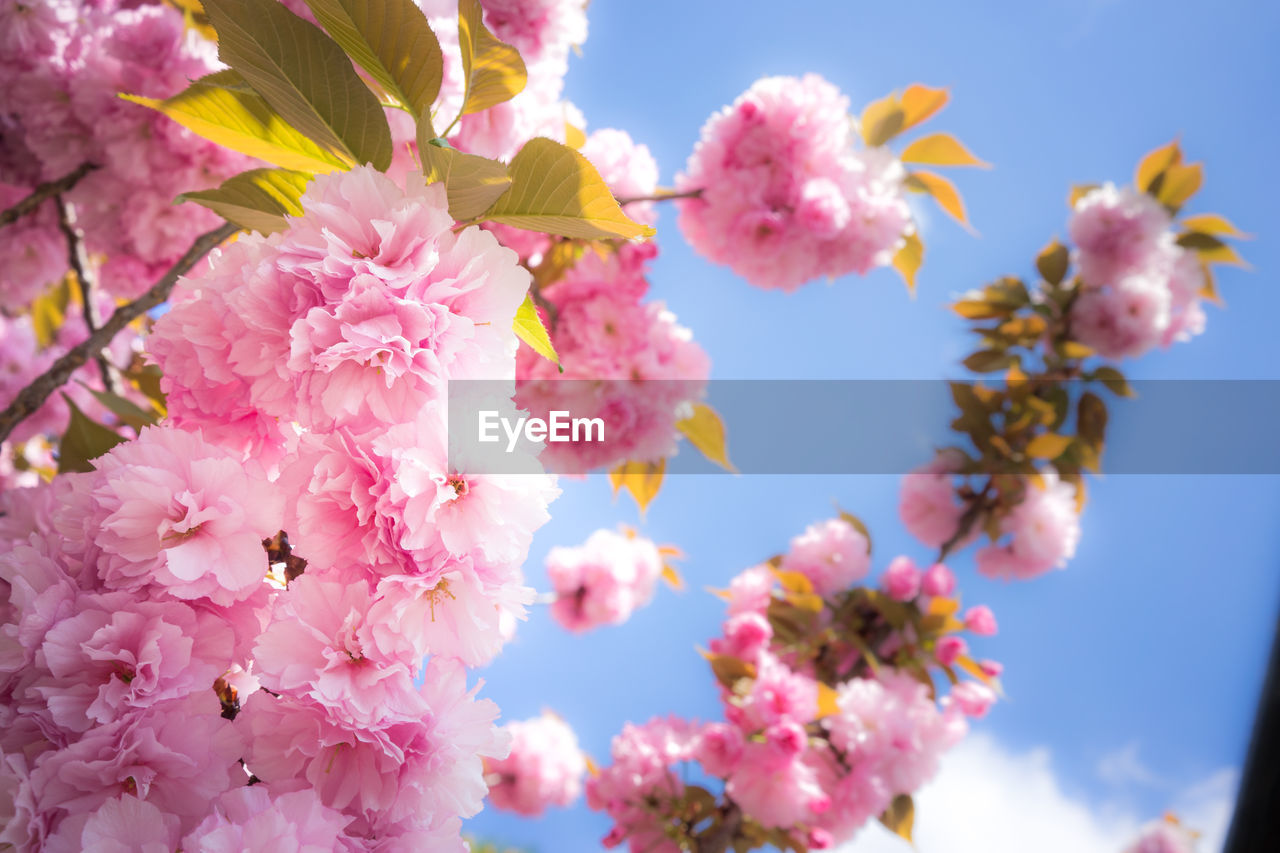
(721, 838)
(661, 195)
(971, 514)
(78, 258)
(33, 396)
(43, 193)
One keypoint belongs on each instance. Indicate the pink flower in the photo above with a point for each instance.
(938, 580)
(1115, 231)
(1043, 530)
(927, 503)
(751, 590)
(603, 580)
(720, 748)
(173, 510)
(1166, 836)
(545, 767)
(319, 645)
(831, 554)
(777, 694)
(973, 698)
(950, 649)
(783, 196)
(124, 824)
(116, 655)
(746, 636)
(252, 819)
(779, 782)
(981, 621)
(1125, 319)
(902, 579)
(425, 764)
(640, 784)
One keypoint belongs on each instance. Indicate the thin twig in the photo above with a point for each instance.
(971, 514)
(78, 257)
(722, 837)
(33, 396)
(661, 195)
(43, 193)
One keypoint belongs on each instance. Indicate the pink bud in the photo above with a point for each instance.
(719, 749)
(746, 635)
(902, 579)
(991, 668)
(981, 621)
(938, 580)
(949, 649)
(973, 698)
(820, 839)
(787, 738)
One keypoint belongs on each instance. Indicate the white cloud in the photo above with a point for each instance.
(987, 799)
(1124, 767)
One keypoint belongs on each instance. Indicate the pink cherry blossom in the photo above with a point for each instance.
(832, 554)
(1115, 231)
(602, 581)
(254, 820)
(1043, 531)
(545, 767)
(902, 579)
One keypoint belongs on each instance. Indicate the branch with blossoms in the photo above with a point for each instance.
(838, 700)
(1136, 279)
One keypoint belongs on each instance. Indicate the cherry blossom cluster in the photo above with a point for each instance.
(544, 768)
(832, 709)
(253, 622)
(62, 66)
(781, 195)
(1164, 836)
(622, 359)
(1139, 288)
(603, 580)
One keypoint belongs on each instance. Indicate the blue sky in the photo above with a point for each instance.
(1131, 675)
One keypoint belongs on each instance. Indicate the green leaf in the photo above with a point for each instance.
(989, 360)
(492, 70)
(1213, 223)
(472, 183)
(223, 109)
(390, 39)
(882, 120)
(1155, 163)
(84, 440)
(126, 410)
(304, 75)
(857, 524)
(258, 199)
(943, 191)
(556, 190)
(705, 431)
(528, 327)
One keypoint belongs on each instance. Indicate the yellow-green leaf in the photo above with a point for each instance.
(882, 120)
(84, 440)
(304, 75)
(258, 199)
(729, 669)
(390, 39)
(989, 360)
(556, 190)
(900, 817)
(574, 136)
(472, 183)
(705, 431)
(1114, 380)
(1180, 183)
(492, 70)
(943, 191)
(940, 149)
(1155, 163)
(528, 327)
(126, 410)
(1048, 445)
(1079, 191)
(672, 577)
(857, 524)
(919, 102)
(1213, 223)
(828, 701)
(908, 259)
(222, 108)
(794, 582)
(641, 479)
(1052, 262)
(49, 310)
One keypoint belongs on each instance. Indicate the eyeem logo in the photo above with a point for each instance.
(559, 428)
